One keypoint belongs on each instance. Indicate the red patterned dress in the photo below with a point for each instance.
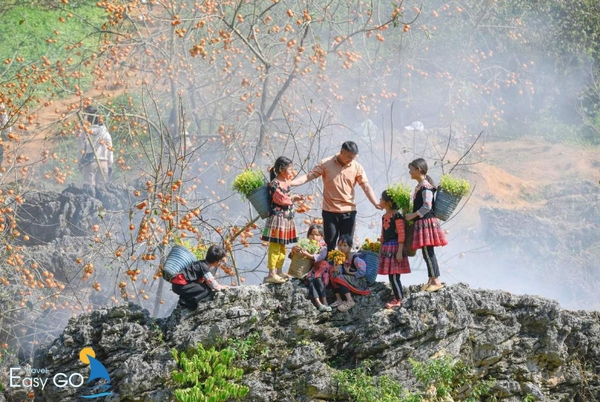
(428, 231)
(280, 227)
(392, 235)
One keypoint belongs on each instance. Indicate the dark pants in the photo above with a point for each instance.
(191, 294)
(433, 270)
(396, 286)
(337, 224)
(341, 289)
(316, 288)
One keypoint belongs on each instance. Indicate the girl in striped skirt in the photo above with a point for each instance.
(393, 260)
(280, 228)
(428, 233)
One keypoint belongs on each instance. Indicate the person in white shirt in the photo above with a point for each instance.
(95, 146)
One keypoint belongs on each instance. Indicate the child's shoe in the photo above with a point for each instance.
(345, 306)
(394, 303)
(275, 279)
(324, 308)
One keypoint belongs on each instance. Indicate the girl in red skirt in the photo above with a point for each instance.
(393, 260)
(280, 228)
(428, 233)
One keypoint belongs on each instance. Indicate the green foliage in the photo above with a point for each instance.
(199, 250)
(248, 181)
(309, 246)
(443, 377)
(249, 347)
(458, 187)
(400, 194)
(361, 386)
(207, 375)
(28, 32)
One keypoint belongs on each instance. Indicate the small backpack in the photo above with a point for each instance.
(178, 259)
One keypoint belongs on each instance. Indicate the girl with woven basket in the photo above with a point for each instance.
(318, 277)
(280, 228)
(428, 233)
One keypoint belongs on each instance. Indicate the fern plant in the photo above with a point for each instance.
(207, 375)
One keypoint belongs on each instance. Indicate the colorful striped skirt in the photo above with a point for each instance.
(358, 286)
(428, 232)
(279, 230)
(388, 265)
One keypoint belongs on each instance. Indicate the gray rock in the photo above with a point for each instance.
(527, 343)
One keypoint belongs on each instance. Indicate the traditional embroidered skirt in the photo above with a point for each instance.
(388, 265)
(428, 233)
(356, 285)
(279, 230)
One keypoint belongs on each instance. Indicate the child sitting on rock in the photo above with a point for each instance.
(349, 277)
(318, 277)
(196, 282)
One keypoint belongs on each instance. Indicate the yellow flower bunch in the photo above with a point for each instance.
(336, 256)
(369, 245)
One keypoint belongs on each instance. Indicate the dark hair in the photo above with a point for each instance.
(345, 239)
(350, 146)
(386, 197)
(313, 227)
(214, 253)
(92, 115)
(421, 165)
(280, 164)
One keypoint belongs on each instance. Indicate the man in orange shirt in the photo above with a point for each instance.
(340, 174)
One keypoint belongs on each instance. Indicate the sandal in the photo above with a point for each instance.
(336, 303)
(435, 288)
(424, 287)
(325, 309)
(345, 306)
(394, 303)
(275, 279)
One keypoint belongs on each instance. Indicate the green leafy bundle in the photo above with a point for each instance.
(207, 375)
(310, 246)
(400, 194)
(248, 181)
(457, 187)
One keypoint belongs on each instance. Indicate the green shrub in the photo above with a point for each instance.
(248, 181)
(444, 377)
(400, 193)
(458, 187)
(309, 246)
(207, 376)
(441, 379)
(360, 386)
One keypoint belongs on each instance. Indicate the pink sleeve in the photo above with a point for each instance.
(281, 199)
(400, 230)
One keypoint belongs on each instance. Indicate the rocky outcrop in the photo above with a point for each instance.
(46, 216)
(528, 344)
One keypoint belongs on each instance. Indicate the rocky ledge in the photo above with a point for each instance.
(528, 344)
